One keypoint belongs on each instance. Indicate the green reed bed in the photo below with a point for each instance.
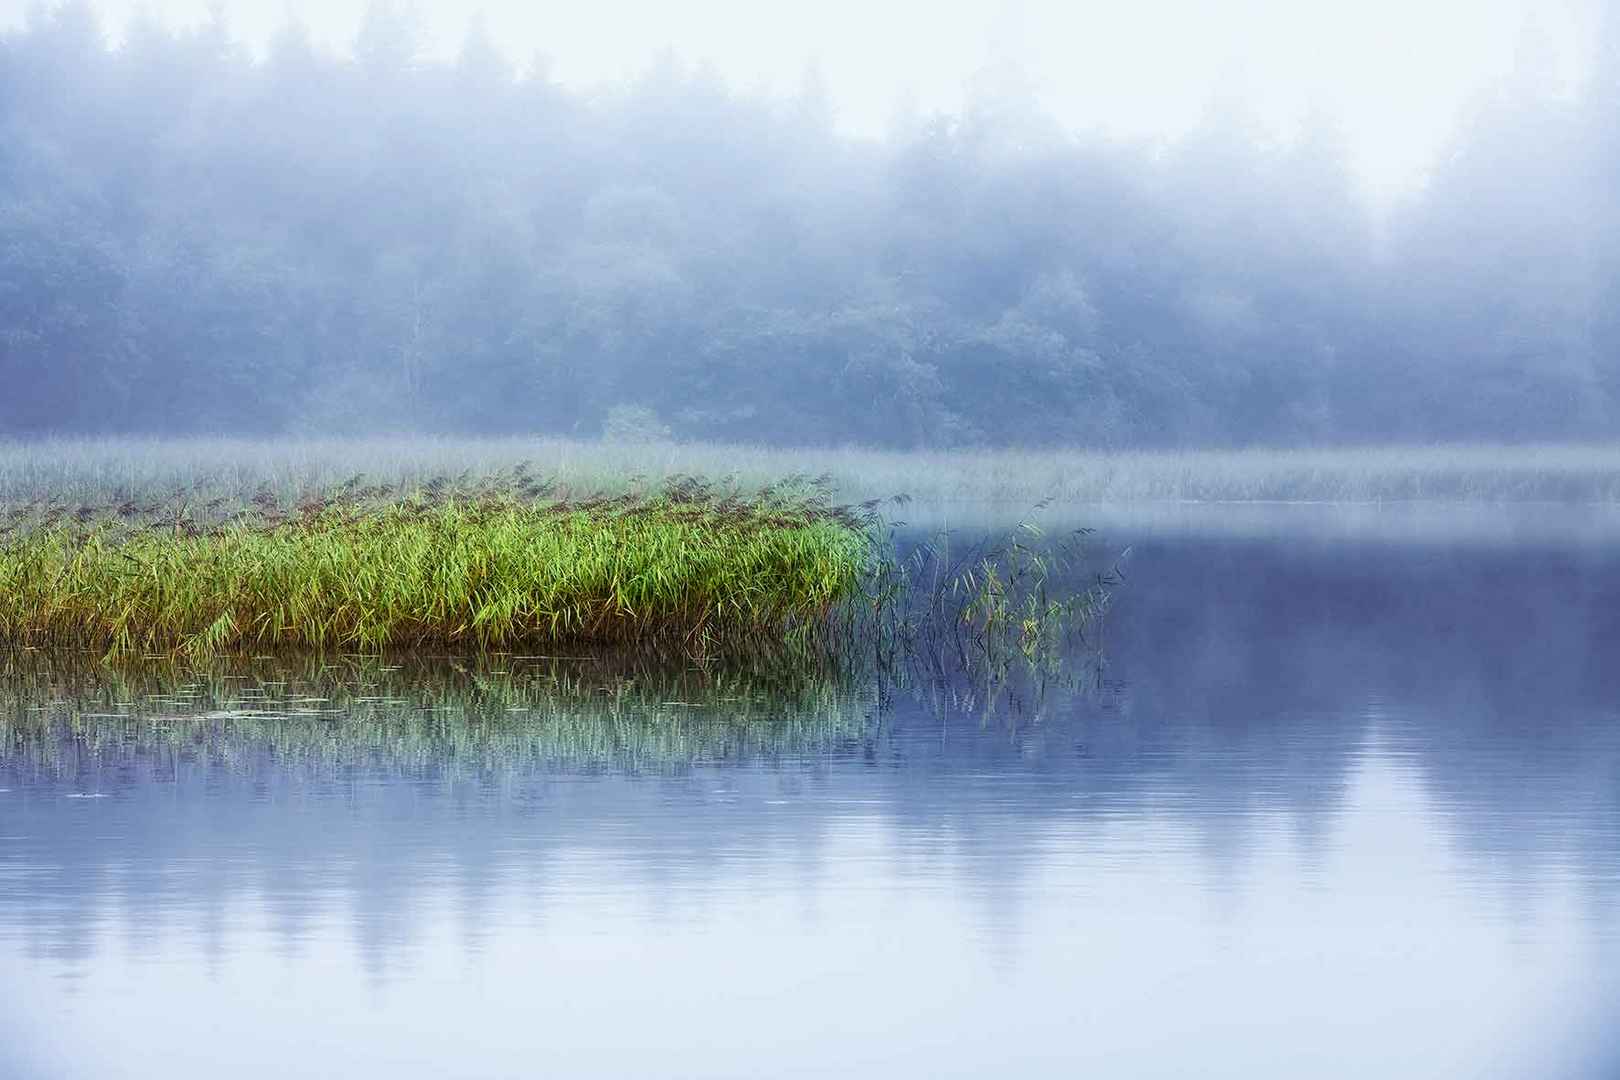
(487, 565)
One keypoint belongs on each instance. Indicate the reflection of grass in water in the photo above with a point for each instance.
(500, 713)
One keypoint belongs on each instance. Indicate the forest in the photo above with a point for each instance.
(198, 240)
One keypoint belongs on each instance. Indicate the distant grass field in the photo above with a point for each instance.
(93, 471)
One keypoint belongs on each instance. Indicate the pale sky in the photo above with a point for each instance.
(1394, 71)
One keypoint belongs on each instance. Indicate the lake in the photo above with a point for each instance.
(1337, 794)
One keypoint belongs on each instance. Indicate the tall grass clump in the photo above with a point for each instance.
(979, 605)
(448, 565)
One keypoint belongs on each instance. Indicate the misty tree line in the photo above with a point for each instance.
(195, 241)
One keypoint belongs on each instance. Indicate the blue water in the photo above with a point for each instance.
(1334, 803)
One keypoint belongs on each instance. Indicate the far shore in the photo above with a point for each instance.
(90, 470)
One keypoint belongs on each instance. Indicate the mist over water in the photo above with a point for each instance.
(1330, 806)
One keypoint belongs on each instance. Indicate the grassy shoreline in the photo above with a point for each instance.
(437, 568)
(96, 470)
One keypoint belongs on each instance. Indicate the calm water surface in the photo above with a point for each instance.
(1342, 800)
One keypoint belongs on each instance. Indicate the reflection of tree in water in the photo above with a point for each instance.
(1246, 684)
(1484, 672)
